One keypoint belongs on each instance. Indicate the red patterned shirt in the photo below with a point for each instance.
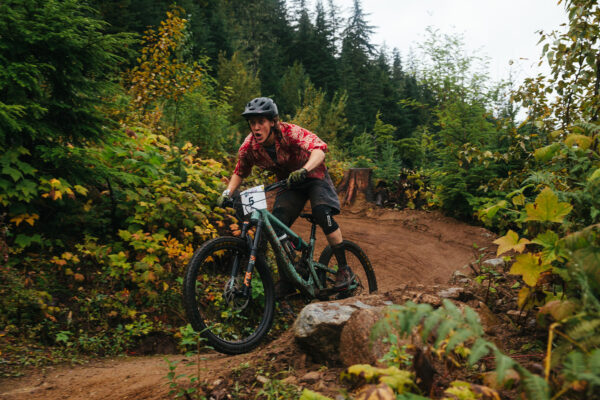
(293, 150)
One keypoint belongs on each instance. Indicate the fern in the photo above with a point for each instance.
(535, 387)
(480, 349)
(503, 363)
(586, 333)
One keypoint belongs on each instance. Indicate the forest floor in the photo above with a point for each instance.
(405, 247)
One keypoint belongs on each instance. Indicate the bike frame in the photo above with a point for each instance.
(264, 220)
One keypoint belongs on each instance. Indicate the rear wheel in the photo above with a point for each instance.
(214, 301)
(365, 281)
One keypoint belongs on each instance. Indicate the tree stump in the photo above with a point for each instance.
(355, 184)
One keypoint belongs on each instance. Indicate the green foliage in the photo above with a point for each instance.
(453, 335)
(364, 150)
(57, 65)
(274, 389)
(236, 85)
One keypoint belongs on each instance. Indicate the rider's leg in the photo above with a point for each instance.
(288, 206)
(333, 233)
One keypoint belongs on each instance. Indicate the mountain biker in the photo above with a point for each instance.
(296, 155)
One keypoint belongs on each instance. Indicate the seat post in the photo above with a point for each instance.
(313, 230)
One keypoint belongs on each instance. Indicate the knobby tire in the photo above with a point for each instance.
(357, 261)
(235, 326)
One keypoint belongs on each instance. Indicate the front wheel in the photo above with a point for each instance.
(365, 281)
(215, 303)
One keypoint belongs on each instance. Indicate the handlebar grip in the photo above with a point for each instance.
(228, 202)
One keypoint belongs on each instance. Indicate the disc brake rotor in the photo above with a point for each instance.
(233, 295)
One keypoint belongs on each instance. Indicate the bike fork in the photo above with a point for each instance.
(252, 262)
(236, 261)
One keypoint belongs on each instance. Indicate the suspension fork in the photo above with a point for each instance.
(236, 261)
(252, 261)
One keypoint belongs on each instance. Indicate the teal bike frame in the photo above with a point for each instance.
(264, 220)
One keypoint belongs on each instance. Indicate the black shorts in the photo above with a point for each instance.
(289, 203)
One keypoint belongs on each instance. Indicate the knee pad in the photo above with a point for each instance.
(323, 217)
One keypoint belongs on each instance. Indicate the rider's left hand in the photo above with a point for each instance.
(296, 177)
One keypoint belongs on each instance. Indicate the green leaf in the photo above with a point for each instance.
(551, 243)
(25, 241)
(594, 176)
(546, 153)
(530, 267)
(547, 208)
(15, 174)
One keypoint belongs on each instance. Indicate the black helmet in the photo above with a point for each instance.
(260, 106)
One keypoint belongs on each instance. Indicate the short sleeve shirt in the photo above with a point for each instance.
(293, 149)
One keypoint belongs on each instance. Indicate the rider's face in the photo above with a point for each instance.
(261, 127)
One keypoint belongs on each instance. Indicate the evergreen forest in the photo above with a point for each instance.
(120, 122)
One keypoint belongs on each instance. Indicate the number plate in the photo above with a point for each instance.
(254, 199)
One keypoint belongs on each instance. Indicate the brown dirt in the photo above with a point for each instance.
(405, 247)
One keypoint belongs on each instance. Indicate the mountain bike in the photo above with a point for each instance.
(228, 289)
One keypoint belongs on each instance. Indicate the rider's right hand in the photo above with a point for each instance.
(224, 199)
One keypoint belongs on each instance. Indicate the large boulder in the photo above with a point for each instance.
(319, 325)
(356, 346)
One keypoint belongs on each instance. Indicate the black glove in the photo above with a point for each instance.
(224, 198)
(297, 177)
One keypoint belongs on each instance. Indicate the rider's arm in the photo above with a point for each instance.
(317, 156)
(234, 183)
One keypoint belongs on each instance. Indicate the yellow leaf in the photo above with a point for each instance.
(547, 208)
(518, 200)
(509, 242)
(581, 141)
(558, 309)
(379, 392)
(18, 219)
(523, 296)
(31, 218)
(165, 286)
(530, 267)
(54, 182)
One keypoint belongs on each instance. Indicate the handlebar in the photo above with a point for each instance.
(276, 185)
(232, 202)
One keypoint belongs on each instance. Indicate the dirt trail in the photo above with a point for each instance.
(414, 247)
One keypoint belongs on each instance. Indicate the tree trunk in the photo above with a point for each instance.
(356, 184)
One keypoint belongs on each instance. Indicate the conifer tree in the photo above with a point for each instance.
(323, 70)
(355, 69)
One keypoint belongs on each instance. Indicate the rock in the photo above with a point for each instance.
(511, 378)
(489, 321)
(311, 377)
(459, 277)
(495, 263)
(319, 326)
(356, 346)
(514, 313)
(263, 379)
(401, 297)
(454, 293)
(459, 274)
